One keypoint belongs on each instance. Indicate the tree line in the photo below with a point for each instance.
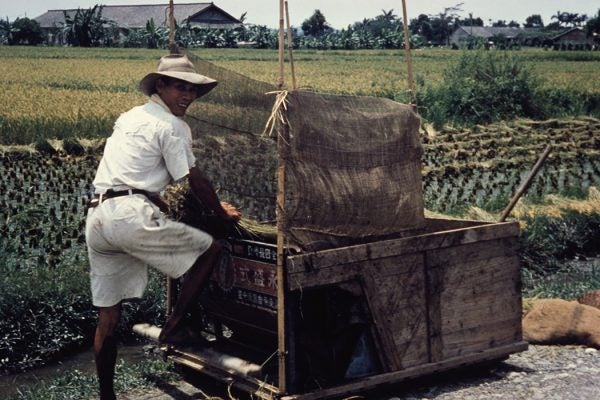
(88, 28)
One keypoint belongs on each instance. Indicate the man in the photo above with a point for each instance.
(125, 230)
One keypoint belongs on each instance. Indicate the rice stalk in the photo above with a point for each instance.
(185, 207)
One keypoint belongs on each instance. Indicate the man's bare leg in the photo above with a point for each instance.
(105, 349)
(195, 279)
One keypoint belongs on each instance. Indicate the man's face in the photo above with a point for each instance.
(177, 94)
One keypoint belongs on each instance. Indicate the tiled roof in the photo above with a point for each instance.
(136, 16)
(489, 31)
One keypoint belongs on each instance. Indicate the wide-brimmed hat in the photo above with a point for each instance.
(180, 67)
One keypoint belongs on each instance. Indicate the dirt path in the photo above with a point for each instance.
(540, 373)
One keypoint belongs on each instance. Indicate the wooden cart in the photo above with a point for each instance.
(445, 297)
(429, 295)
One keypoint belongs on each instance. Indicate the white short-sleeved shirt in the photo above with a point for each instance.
(150, 147)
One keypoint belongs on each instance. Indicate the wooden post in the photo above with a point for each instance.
(281, 312)
(172, 45)
(290, 45)
(411, 83)
(525, 184)
(281, 46)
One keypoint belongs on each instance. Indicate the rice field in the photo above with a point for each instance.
(60, 93)
(70, 92)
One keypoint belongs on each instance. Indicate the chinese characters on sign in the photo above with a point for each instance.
(249, 275)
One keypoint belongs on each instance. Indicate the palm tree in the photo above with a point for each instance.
(561, 17)
(577, 19)
(388, 16)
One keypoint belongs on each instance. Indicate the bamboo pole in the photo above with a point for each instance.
(172, 50)
(411, 82)
(525, 184)
(281, 46)
(290, 45)
(172, 45)
(281, 312)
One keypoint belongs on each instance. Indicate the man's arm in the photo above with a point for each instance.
(203, 189)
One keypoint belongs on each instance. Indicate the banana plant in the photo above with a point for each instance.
(6, 31)
(85, 28)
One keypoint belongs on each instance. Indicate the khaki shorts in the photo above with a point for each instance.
(126, 234)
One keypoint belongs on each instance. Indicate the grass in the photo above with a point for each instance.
(77, 385)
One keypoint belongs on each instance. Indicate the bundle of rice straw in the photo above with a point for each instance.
(185, 207)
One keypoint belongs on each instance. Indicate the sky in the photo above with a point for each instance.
(338, 13)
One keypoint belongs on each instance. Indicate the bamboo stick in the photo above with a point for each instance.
(281, 312)
(525, 184)
(281, 46)
(172, 45)
(411, 82)
(290, 45)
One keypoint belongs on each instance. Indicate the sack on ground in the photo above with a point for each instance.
(556, 321)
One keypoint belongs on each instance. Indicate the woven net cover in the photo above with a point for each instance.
(229, 144)
(352, 168)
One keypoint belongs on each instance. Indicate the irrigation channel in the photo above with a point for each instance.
(83, 362)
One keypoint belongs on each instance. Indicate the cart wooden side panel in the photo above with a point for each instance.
(435, 296)
(446, 296)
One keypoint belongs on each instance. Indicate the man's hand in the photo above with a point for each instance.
(231, 213)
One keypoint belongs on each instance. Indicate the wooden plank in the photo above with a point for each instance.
(383, 267)
(379, 380)
(467, 254)
(326, 276)
(400, 283)
(482, 337)
(412, 342)
(470, 295)
(388, 355)
(307, 263)
(485, 329)
(434, 284)
(502, 270)
(445, 224)
(479, 318)
(475, 310)
(390, 267)
(472, 253)
(455, 297)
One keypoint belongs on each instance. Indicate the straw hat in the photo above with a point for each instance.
(180, 67)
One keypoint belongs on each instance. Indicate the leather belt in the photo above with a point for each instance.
(109, 194)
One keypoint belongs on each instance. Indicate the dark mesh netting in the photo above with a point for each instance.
(352, 168)
(352, 163)
(229, 144)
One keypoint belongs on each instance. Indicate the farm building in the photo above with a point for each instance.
(463, 34)
(573, 39)
(128, 17)
(570, 39)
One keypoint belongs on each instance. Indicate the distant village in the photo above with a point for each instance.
(208, 25)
